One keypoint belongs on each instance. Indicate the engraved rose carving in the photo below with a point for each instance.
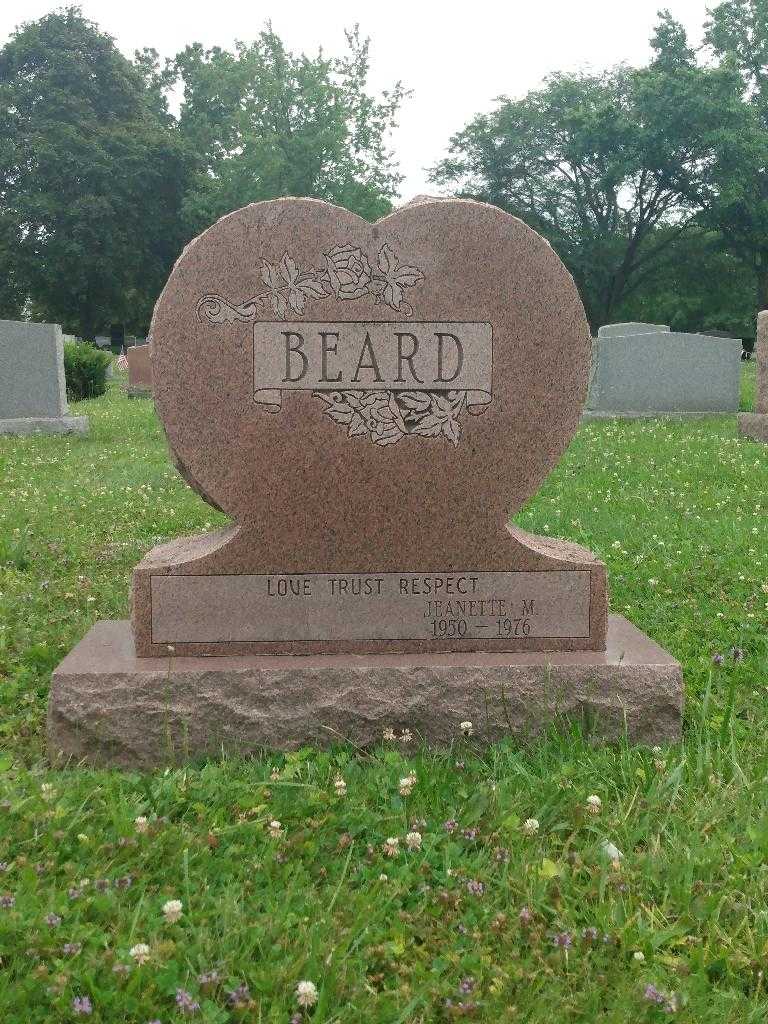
(384, 417)
(349, 271)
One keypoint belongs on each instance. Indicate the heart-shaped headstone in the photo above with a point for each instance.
(369, 403)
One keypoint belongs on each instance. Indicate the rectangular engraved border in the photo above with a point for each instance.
(370, 639)
(254, 388)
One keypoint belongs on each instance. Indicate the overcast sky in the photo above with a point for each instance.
(456, 57)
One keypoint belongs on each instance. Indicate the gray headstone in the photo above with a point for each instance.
(664, 372)
(32, 385)
(619, 330)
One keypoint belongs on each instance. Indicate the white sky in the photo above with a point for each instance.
(455, 57)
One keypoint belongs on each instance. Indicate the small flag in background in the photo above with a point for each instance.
(122, 360)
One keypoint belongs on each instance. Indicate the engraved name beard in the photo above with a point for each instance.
(417, 364)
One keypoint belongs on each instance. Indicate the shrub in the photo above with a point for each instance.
(85, 369)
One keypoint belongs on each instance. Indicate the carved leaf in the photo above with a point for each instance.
(270, 276)
(289, 270)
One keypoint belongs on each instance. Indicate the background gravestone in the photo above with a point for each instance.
(663, 371)
(619, 330)
(33, 394)
(755, 424)
(139, 371)
(369, 404)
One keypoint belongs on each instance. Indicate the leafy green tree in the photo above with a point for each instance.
(91, 175)
(609, 167)
(737, 33)
(264, 123)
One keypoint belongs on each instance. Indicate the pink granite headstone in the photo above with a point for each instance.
(370, 404)
(755, 424)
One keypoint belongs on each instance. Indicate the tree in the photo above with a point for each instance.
(266, 123)
(737, 34)
(91, 175)
(609, 167)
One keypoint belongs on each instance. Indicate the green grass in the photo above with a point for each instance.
(677, 510)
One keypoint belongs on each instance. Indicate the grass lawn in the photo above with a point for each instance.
(482, 917)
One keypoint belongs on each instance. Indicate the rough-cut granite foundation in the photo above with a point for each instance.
(754, 425)
(109, 707)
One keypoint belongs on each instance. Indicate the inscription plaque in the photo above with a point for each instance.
(461, 606)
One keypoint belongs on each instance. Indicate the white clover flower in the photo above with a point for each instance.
(594, 804)
(638, 955)
(388, 734)
(406, 784)
(306, 993)
(530, 826)
(47, 792)
(83, 838)
(466, 728)
(275, 829)
(413, 840)
(172, 910)
(141, 824)
(140, 953)
(340, 786)
(383, 877)
(406, 736)
(391, 847)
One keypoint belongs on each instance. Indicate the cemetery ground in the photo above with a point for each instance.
(405, 885)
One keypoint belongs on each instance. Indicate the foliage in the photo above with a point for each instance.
(737, 34)
(85, 369)
(89, 174)
(695, 286)
(264, 123)
(677, 511)
(609, 167)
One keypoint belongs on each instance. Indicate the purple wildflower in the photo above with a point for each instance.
(475, 888)
(717, 659)
(52, 920)
(466, 985)
(239, 997)
(653, 995)
(470, 833)
(501, 855)
(7, 900)
(590, 935)
(82, 1006)
(71, 948)
(562, 940)
(451, 825)
(101, 884)
(4, 865)
(74, 893)
(525, 916)
(737, 653)
(185, 1002)
(124, 883)
(209, 978)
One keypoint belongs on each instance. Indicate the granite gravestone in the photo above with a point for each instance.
(369, 404)
(139, 371)
(662, 372)
(33, 395)
(755, 424)
(633, 327)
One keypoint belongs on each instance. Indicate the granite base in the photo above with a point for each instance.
(109, 707)
(754, 425)
(45, 425)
